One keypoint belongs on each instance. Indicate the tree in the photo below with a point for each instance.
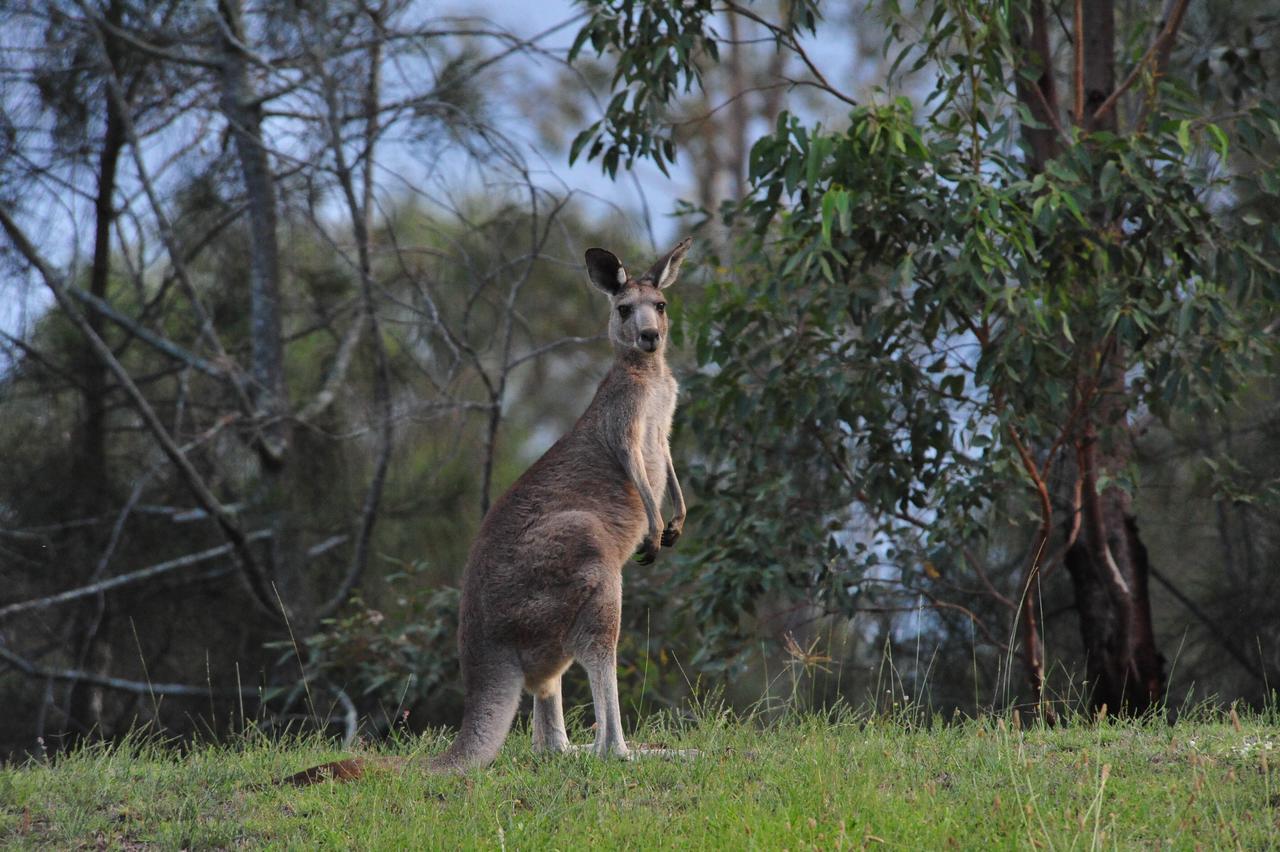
(325, 277)
(997, 292)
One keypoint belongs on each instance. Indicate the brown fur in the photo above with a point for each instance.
(543, 583)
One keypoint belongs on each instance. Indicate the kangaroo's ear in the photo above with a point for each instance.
(665, 272)
(605, 270)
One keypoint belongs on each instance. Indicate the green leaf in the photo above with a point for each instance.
(1059, 170)
(1109, 180)
(1069, 200)
(828, 209)
(1220, 137)
(580, 141)
(905, 273)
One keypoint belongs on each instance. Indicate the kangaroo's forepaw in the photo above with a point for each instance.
(647, 552)
(670, 535)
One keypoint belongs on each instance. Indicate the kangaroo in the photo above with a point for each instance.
(543, 583)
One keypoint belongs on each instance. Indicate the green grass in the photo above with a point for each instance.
(801, 783)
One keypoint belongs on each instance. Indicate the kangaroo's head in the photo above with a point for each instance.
(638, 319)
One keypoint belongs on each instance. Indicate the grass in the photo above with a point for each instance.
(806, 782)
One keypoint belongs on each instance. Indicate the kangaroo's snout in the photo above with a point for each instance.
(649, 339)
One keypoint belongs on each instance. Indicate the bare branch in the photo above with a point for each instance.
(1158, 51)
(1223, 637)
(176, 257)
(538, 352)
(31, 669)
(1078, 54)
(792, 42)
(360, 210)
(252, 570)
(129, 579)
(152, 339)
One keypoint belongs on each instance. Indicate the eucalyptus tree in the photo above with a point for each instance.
(948, 304)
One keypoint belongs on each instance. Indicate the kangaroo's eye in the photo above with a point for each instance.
(624, 311)
(661, 307)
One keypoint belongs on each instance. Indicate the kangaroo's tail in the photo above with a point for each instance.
(493, 696)
(342, 770)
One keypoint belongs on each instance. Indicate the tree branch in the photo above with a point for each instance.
(782, 35)
(360, 209)
(1216, 631)
(152, 339)
(31, 669)
(129, 579)
(1159, 50)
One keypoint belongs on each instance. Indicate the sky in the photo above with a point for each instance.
(646, 186)
(645, 196)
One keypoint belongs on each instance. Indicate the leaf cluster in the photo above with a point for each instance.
(916, 306)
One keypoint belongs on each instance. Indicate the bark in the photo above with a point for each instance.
(1097, 49)
(92, 478)
(244, 115)
(1032, 646)
(1125, 669)
(737, 112)
(1039, 95)
(1108, 563)
(1037, 91)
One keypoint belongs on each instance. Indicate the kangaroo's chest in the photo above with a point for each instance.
(657, 410)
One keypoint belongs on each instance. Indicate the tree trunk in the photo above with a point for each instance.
(84, 702)
(244, 114)
(1040, 96)
(1108, 562)
(1125, 669)
(91, 473)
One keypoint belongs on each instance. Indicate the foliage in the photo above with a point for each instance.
(394, 662)
(919, 312)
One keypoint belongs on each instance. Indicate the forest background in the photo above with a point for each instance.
(977, 348)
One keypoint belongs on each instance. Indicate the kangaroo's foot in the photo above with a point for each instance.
(637, 752)
(642, 751)
(594, 749)
(552, 741)
(555, 745)
(604, 747)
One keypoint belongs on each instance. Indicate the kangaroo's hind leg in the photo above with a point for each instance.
(602, 671)
(594, 642)
(548, 720)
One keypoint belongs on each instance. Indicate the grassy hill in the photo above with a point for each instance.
(851, 781)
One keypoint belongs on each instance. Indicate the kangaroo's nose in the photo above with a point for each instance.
(649, 335)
